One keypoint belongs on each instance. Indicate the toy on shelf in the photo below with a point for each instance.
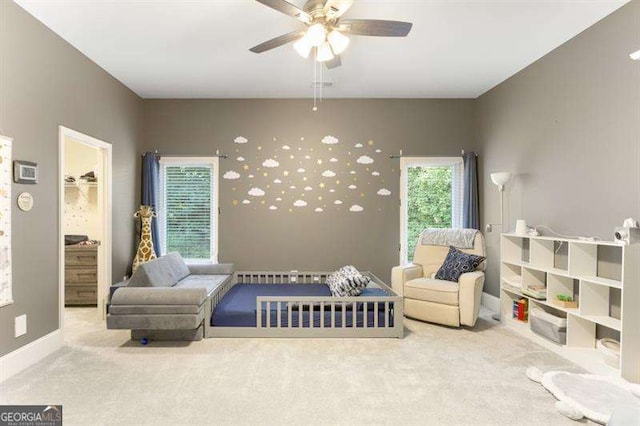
(565, 301)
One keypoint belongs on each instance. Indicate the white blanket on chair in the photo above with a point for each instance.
(460, 238)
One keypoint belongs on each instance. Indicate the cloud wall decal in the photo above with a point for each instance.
(384, 192)
(256, 192)
(352, 187)
(300, 203)
(328, 174)
(333, 160)
(286, 147)
(277, 181)
(240, 140)
(358, 145)
(363, 159)
(375, 173)
(246, 202)
(337, 202)
(318, 210)
(330, 140)
(231, 175)
(240, 158)
(355, 208)
(273, 208)
(270, 163)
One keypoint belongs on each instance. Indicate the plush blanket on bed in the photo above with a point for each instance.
(459, 238)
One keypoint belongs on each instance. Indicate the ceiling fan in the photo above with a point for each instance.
(326, 29)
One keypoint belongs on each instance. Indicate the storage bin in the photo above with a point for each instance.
(548, 325)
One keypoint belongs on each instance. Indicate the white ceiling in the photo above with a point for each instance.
(199, 49)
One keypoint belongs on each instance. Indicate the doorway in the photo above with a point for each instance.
(84, 176)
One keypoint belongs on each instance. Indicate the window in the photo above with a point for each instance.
(189, 208)
(431, 197)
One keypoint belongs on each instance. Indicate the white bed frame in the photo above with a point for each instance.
(393, 309)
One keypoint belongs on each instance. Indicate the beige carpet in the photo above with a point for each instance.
(435, 375)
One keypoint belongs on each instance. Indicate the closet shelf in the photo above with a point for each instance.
(81, 184)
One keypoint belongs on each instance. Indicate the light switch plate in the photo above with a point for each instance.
(21, 325)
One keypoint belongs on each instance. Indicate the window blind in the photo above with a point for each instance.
(187, 210)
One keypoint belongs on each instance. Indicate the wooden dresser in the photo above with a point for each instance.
(81, 275)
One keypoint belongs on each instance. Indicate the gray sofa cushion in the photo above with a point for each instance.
(153, 309)
(165, 271)
(217, 269)
(208, 282)
(159, 296)
(155, 322)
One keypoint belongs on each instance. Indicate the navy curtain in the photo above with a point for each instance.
(470, 209)
(151, 191)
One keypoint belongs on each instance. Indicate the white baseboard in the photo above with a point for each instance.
(490, 302)
(16, 361)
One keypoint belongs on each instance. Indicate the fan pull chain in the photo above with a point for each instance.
(321, 80)
(315, 88)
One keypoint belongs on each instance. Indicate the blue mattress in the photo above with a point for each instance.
(238, 307)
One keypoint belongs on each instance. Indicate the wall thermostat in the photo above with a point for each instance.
(25, 201)
(25, 172)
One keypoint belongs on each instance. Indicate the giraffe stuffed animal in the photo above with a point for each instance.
(145, 251)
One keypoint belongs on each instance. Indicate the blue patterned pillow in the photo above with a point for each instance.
(458, 263)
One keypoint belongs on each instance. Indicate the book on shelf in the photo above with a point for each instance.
(520, 309)
(537, 291)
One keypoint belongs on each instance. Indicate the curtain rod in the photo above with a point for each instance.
(401, 155)
(217, 154)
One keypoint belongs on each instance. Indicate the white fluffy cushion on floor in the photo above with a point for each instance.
(591, 396)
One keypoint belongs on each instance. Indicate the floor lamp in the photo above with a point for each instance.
(500, 179)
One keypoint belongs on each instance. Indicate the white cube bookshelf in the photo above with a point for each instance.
(575, 268)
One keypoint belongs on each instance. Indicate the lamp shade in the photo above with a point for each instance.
(324, 53)
(303, 47)
(501, 178)
(316, 35)
(338, 41)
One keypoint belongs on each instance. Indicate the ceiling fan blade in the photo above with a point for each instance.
(288, 9)
(277, 42)
(334, 63)
(376, 27)
(334, 9)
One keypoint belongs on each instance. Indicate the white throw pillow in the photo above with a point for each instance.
(346, 282)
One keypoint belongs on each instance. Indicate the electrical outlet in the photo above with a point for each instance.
(488, 228)
(21, 325)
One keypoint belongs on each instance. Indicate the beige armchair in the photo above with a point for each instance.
(439, 301)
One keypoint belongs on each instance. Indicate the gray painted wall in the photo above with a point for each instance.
(256, 238)
(44, 82)
(568, 126)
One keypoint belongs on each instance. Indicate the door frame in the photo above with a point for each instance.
(105, 187)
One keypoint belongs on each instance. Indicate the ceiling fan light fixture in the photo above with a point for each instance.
(303, 47)
(338, 41)
(316, 35)
(324, 52)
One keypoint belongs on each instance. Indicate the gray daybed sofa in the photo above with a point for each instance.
(167, 300)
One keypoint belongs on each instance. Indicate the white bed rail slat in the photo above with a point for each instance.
(387, 323)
